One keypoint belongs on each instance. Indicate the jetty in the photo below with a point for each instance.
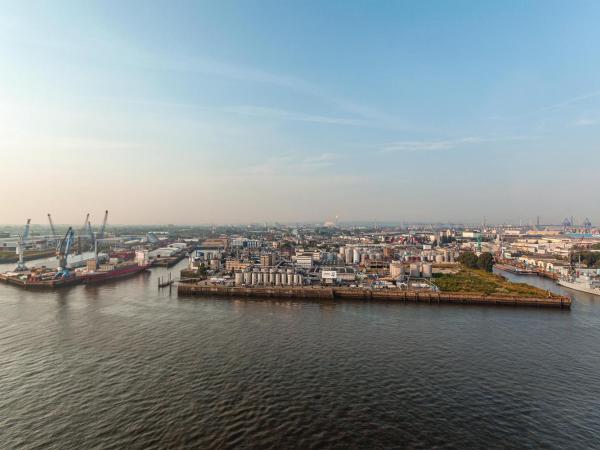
(369, 294)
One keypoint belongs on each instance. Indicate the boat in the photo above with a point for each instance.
(514, 269)
(110, 272)
(581, 282)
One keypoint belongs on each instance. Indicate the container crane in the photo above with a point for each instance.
(21, 248)
(63, 251)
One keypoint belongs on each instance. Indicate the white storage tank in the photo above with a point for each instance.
(278, 279)
(239, 278)
(415, 270)
(427, 270)
(248, 278)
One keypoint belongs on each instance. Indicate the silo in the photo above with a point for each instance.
(439, 258)
(415, 270)
(396, 269)
(265, 276)
(248, 278)
(349, 255)
(356, 256)
(277, 279)
(298, 279)
(272, 276)
(284, 277)
(255, 277)
(290, 277)
(427, 270)
(239, 277)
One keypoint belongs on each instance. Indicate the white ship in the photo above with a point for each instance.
(582, 283)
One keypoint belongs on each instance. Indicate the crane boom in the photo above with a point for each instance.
(21, 248)
(83, 228)
(66, 244)
(103, 227)
(52, 229)
(90, 232)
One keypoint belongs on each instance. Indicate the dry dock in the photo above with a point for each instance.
(390, 295)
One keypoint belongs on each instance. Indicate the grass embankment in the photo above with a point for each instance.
(482, 282)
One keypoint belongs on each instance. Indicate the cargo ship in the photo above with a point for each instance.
(109, 272)
(115, 270)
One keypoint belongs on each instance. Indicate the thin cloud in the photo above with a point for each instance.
(447, 144)
(280, 114)
(584, 122)
(571, 101)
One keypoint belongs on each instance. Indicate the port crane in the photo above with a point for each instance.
(53, 230)
(62, 253)
(103, 227)
(21, 248)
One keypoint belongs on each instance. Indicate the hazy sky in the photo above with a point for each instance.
(221, 111)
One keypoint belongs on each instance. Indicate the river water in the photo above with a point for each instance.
(125, 365)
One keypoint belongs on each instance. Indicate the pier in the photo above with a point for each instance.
(367, 294)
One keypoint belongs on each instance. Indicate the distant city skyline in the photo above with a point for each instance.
(225, 112)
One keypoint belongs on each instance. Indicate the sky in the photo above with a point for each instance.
(208, 112)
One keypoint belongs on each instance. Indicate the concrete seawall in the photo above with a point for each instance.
(388, 295)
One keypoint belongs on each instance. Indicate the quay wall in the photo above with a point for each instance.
(348, 293)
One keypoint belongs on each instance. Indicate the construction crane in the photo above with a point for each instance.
(62, 253)
(103, 227)
(21, 248)
(53, 230)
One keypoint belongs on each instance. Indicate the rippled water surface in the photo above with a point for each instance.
(124, 365)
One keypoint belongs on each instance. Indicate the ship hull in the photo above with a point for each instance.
(102, 277)
(579, 287)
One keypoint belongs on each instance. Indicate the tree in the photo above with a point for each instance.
(485, 261)
(469, 259)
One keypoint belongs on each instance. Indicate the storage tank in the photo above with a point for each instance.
(427, 270)
(290, 277)
(277, 279)
(349, 255)
(415, 270)
(284, 277)
(239, 278)
(248, 278)
(265, 276)
(355, 256)
(272, 276)
(396, 269)
(255, 278)
(298, 279)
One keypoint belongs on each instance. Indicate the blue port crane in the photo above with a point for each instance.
(62, 253)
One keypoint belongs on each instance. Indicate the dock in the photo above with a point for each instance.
(367, 294)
